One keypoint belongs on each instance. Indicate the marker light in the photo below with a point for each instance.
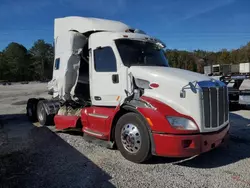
(154, 85)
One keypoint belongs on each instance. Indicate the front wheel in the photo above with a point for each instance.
(132, 138)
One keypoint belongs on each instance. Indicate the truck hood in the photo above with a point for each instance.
(171, 82)
(167, 73)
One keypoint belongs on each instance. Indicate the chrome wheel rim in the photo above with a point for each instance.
(131, 138)
(41, 114)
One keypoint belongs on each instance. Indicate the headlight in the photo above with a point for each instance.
(181, 123)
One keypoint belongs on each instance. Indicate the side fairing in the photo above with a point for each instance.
(66, 65)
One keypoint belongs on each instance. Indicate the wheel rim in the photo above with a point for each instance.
(41, 113)
(131, 138)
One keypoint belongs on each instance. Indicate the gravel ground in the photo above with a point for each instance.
(33, 156)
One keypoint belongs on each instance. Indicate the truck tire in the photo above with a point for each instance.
(132, 138)
(31, 109)
(42, 116)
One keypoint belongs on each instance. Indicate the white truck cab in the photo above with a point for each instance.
(116, 81)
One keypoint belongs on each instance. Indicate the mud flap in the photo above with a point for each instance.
(65, 122)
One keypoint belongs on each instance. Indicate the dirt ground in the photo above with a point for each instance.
(33, 156)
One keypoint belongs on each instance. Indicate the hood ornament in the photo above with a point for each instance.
(190, 85)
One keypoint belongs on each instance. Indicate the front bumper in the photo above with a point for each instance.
(188, 145)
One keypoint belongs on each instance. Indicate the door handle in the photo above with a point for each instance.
(97, 98)
(115, 78)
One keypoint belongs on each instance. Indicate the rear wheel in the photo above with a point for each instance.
(31, 109)
(43, 117)
(132, 138)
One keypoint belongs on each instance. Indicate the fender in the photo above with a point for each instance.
(132, 107)
(158, 114)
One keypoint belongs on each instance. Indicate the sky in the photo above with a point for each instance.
(182, 24)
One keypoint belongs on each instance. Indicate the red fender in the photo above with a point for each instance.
(157, 117)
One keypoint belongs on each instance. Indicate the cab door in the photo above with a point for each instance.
(105, 79)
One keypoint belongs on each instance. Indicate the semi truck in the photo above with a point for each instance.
(114, 83)
(233, 75)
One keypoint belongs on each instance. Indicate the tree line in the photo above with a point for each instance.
(197, 59)
(20, 64)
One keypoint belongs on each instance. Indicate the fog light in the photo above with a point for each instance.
(205, 143)
(186, 143)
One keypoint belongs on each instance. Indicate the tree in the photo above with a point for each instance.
(196, 60)
(235, 56)
(16, 62)
(3, 66)
(224, 57)
(42, 55)
(172, 56)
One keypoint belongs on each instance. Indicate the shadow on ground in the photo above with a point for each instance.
(236, 149)
(49, 161)
(240, 128)
(46, 161)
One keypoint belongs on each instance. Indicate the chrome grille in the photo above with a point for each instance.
(215, 105)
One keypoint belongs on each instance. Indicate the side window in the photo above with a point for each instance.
(57, 64)
(104, 60)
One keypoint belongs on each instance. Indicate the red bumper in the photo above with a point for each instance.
(188, 145)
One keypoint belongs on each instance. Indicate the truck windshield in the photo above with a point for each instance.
(140, 53)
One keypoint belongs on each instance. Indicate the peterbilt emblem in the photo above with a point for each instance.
(215, 82)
